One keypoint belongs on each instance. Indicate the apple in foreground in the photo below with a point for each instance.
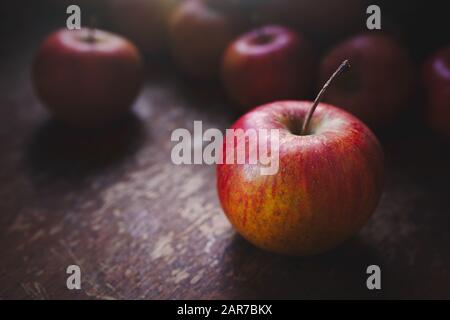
(436, 80)
(199, 34)
(381, 82)
(87, 77)
(267, 64)
(328, 184)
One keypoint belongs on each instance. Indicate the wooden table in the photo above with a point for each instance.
(113, 203)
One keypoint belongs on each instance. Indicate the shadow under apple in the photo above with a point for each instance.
(341, 273)
(58, 151)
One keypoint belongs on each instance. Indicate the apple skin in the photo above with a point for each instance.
(436, 80)
(380, 83)
(84, 82)
(145, 22)
(199, 34)
(328, 184)
(267, 64)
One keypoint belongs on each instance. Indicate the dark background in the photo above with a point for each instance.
(422, 24)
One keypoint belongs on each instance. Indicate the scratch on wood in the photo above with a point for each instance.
(55, 229)
(35, 290)
(178, 275)
(69, 251)
(21, 223)
(163, 247)
(197, 277)
(38, 234)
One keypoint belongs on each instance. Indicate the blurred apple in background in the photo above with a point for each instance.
(321, 19)
(436, 80)
(87, 77)
(246, 6)
(199, 34)
(380, 83)
(90, 10)
(145, 22)
(267, 64)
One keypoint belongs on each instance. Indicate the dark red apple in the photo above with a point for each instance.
(328, 183)
(381, 82)
(267, 64)
(322, 19)
(436, 80)
(145, 22)
(199, 33)
(87, 77)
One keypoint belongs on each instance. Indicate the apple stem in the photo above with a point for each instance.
(343, 67)
(90, 35)
(91, 29)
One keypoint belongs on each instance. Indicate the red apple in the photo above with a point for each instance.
(87, 77)
(267, 64)
(322, 19)
(199, 33)
(145, 22)
(436, 79)
(328, 183)
(380, 83)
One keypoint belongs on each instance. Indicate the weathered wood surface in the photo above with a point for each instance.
(141, 227)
